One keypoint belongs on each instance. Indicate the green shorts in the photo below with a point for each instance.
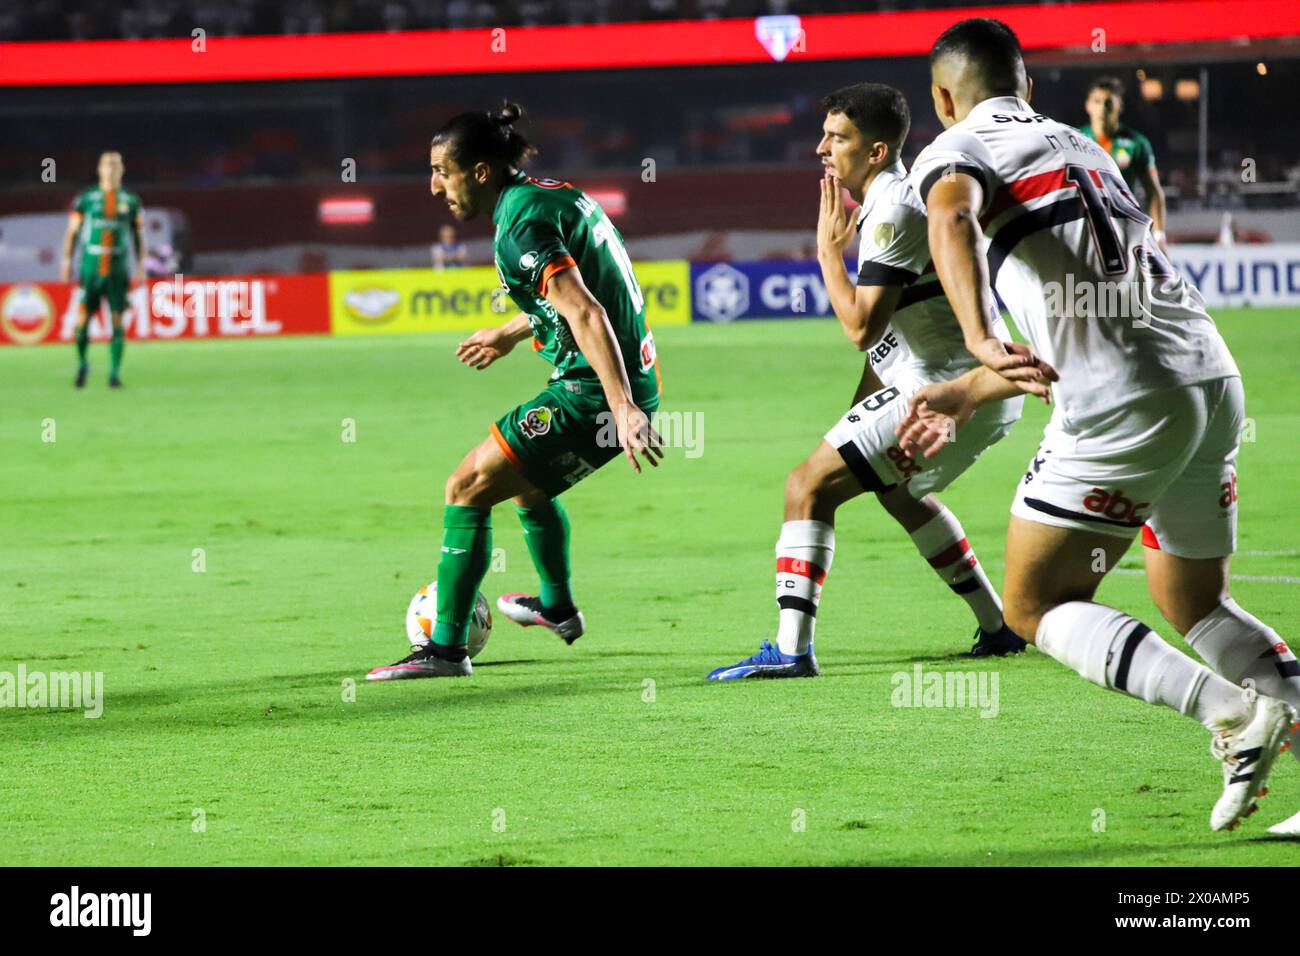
(113, 287)
(562, 435)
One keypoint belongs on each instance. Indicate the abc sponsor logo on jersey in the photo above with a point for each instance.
(726, 291)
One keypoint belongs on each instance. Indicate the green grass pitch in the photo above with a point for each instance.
(227, 736)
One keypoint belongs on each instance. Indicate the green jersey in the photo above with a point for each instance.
(108, 218)
(544, 226)
(1130, 149)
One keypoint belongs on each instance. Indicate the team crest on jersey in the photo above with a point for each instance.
(884, 234)
(1122, 158)
(537, 422)
(528, 260)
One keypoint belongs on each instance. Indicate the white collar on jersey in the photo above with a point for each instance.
(996, 104)
(887, 175)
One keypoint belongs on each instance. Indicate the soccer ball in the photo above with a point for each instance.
(423, 611)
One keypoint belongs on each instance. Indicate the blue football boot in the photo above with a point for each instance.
(770, 662)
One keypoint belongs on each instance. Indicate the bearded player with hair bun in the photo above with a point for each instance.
(564, 265)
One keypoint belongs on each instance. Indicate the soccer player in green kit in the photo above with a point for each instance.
(564, 265)
(103, 217)
(1131, 150)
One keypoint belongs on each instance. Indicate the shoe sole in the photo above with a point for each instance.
(986, 650)
(408, 672)
(761, 675)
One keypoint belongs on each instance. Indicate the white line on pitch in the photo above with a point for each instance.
(1264, 578)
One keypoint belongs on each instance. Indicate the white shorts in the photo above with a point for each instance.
(1165, 462)
(865, 439)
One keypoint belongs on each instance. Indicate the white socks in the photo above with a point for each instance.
(1116, 651)
(1243, 648)
(943, 543)
(803, 557)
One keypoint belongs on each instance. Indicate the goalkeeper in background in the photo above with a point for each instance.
(102, 217)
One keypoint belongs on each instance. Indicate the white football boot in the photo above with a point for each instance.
(527, 610)
(1247, 756)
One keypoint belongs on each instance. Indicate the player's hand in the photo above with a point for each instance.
(637, 437)
(1015, 362)
(484, 347)
(834, 228)
(138, 276)
(934, 415)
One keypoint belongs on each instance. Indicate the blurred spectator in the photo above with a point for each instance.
(161, 261)
(449, 251)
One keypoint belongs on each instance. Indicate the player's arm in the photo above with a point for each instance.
(69, 241)
(487, 345)
(598, 344)
(141, 250)
(937, 411)
(863, 311)
(956, 247)
(1156, 207)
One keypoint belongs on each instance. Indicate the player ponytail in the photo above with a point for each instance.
(488, 137)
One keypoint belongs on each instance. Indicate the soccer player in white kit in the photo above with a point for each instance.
(896, 313)
(1149, 408)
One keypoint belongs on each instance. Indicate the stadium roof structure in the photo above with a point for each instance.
(1069, 30)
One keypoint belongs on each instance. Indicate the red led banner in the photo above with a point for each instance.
(626, 45)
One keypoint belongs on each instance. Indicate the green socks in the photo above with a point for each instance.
(546, 531)
(115, 349)
(83, 341)
(462, 565)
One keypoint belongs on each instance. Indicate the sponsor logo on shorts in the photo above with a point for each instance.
(536, 422)
(1113, 505)
(574, 468)
(1229, 496)
(1035, 466)
(906, 467)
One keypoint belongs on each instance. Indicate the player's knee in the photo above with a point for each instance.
(801, 487)
(465, 487)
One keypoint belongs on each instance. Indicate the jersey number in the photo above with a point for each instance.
(1100, 206)
(603, 233)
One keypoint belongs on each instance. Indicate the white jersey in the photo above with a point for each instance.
(1072, 257)
(923, 340)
